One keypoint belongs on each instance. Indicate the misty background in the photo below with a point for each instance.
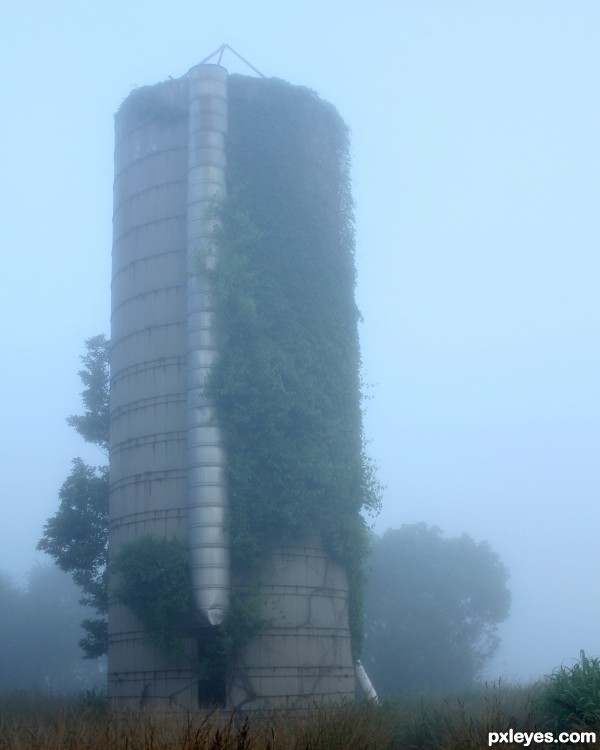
(476, 168)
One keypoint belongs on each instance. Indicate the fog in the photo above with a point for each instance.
(476, 169)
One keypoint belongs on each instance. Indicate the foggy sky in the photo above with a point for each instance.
(475, 140)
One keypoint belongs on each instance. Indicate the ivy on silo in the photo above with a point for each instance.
(150, 104)
(154, 582)
(286, 385)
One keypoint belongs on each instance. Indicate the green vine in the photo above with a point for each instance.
(158, 104)
(154, 582)
(286, 385)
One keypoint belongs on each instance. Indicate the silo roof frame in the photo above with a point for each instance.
(220, 52)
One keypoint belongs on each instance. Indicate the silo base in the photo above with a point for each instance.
(302, 657)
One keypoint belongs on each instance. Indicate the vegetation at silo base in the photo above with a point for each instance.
(286, 385)
(436, 721)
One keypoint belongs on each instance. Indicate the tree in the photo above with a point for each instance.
(432, 607)
(93, 425)
(76, 537)
(39, 629)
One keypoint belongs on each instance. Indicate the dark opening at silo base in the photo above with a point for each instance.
(212, 687)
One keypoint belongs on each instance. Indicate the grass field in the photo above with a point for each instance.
(456, 722)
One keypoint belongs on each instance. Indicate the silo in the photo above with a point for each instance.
(169, 454)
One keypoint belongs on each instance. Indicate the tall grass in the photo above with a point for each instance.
(571, 695)
(463, 720)
(52, 723)
(409, 722)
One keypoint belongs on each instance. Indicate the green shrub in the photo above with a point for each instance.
(571, 695)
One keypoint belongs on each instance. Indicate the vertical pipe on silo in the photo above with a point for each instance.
(207, 503)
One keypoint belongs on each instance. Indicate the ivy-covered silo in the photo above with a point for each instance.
(235, 394)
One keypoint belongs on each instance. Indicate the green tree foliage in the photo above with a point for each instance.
(93, 424)
(39, 630)
(76, 537)
(432, 607)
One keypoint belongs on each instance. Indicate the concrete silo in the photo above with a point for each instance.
(169, 453)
